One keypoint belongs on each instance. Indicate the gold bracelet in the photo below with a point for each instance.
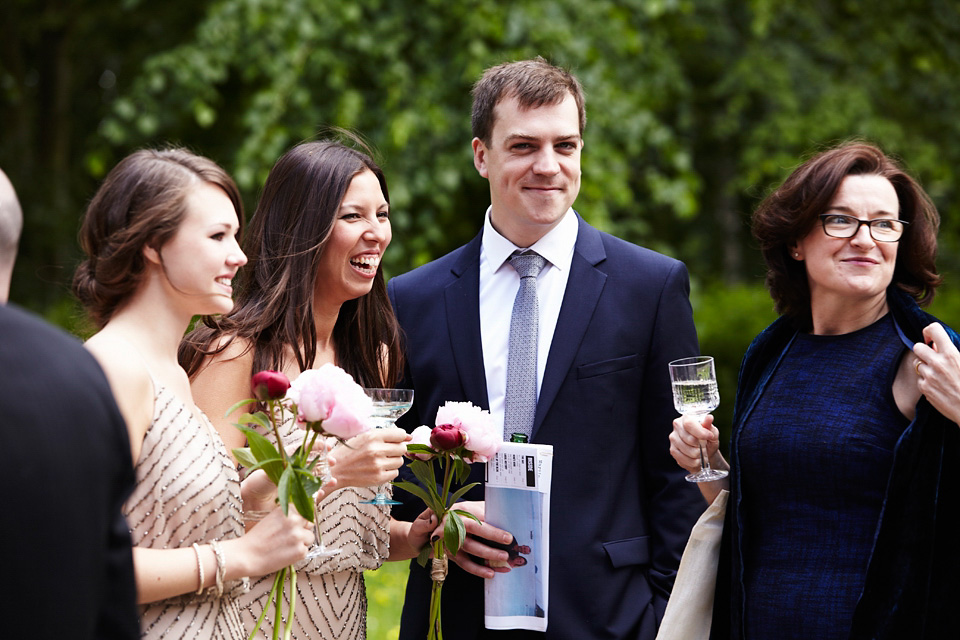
(196, 551)
(221, 566)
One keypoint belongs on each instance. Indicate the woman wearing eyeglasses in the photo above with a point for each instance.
(843, 515)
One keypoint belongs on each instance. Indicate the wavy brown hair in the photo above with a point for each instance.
(793, 209)
(284, 245)
(140, 203)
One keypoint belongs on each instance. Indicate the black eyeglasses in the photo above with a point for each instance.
(838, 225)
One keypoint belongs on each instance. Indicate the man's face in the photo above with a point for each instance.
(533, 165)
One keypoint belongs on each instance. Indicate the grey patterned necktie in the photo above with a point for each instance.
(520, 404)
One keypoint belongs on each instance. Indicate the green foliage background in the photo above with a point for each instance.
(695, 109)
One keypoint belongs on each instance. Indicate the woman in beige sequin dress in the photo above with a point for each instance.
(160, 238)
(312, 294)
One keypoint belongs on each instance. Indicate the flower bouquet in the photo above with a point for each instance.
(323, 402)
(464, 434)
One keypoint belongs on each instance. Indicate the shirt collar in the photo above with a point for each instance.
(557, 246)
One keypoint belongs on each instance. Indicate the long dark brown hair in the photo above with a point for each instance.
(141, 203)
(793, 209)
(284, 245)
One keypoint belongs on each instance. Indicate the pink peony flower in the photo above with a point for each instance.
(481, 436)
(420, 435)
(329, 399)
(269, 385)
(446, 437)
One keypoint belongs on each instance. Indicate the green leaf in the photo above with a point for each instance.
(242, 403)
(461, 470)
(264, 451)
(258, 418)
(424, 473)
(245, 457)
(299, 496)
(424, 556)
(311, 483)
(453, 532)
(462, 490)
(420, 492)
(420, 448)
(283, 489)
(461, 512)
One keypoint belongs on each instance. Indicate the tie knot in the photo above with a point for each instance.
(528, 264)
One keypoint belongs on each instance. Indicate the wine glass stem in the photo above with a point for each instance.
(704, 461)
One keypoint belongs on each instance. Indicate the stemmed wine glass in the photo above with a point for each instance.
(695, 393)
(318, 550)
(388, 405)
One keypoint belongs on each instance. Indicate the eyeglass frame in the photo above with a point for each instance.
(823, 223)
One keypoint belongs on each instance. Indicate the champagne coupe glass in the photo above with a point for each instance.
(388, 405)
(695, 393)
(318, 550)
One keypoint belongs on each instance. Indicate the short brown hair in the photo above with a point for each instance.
(793, 209)
(140, 203)
(533, 83)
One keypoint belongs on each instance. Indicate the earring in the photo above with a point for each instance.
(796, 254)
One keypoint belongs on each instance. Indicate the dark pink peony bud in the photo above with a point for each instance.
(269, 385)
(446, 437)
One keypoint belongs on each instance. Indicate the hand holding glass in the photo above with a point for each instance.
(388, 405)
(695, 393)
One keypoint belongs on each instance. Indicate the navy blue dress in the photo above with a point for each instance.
(815, 457)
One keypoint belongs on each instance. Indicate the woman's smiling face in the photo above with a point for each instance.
(856, 269)
(361, 233)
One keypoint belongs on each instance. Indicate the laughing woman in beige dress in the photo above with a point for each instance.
(160, 238)
(314, 294)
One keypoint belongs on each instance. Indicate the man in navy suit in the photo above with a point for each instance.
(611, 315)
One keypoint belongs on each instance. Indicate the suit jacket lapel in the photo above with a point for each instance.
(579, 301)
(462, 301)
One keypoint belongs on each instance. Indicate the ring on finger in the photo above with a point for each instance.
(919, 362)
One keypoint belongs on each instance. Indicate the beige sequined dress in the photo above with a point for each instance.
(187, 491)
(332, 601)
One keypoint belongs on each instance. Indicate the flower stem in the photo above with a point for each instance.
(278, 604)
(293, 602)
(263, 614)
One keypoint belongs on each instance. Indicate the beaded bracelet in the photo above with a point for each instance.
(196, 551)
(221, 566)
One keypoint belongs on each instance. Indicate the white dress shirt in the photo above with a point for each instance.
(499, 283)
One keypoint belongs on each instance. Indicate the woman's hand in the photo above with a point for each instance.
(275, 542)
(685, 441)
(371, 458)
(260, 494)
(688, 434)
(938, 371)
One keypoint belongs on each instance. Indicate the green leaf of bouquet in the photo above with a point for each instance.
(420, 492)
(467, 514)
(264, 451)
(245, 457)
(284, 488)
(420, 448)
(424, 473)
(301, 500)
(311, 483)
(242, 403)
(462, 490)
(424, 556)
(453, 532)
(461, 469)
(258, 418)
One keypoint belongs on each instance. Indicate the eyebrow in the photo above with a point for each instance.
(523, 136)
(849, 211)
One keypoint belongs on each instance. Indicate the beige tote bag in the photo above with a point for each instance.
(690, 608)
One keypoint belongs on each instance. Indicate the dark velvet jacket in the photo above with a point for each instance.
(913, 577)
